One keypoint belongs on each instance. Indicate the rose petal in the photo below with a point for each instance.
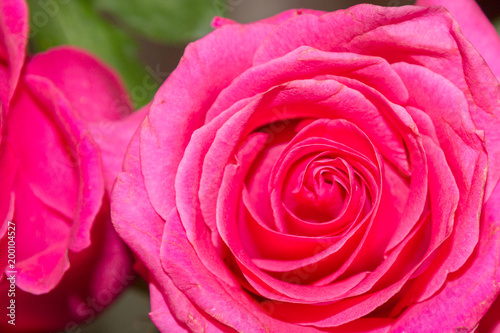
(469, 292)
(308, 63)
(52, 177)
(475, 26)
(276, 19)
(351, 26)
(142, 230)
(212, 296)
(87, 161)
(13, 41)
(97, 274)
(484, 107)
(323, 99)
(112, 138)
(184, 316)
(47, 255)
(96, 95)
(348, 142)
(8, 167)
(462, 145)
(91, 87)
(347, 308)
(489, 322)
(160, 313)
(226, 220)
(185, 96)
(288, 14)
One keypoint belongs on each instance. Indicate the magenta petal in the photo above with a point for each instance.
(218, 22)
(8, 167)
(53, 176)
(13, 41)
(484, 104)
(466, 297)
(112, 138)
(87, 160)
(173, 312)
(350, 26)
(267, 286)
(47, 255)
(41, 273)
(186, 96)
(475, 26)
(97, 95)
(99, 273)
(309, 63)
(325, 98)
(209, 294)
(187, 186)
(4, 92)
(93, 89)
(160, 313)
(141, 228)
(181, 263)
(490, 322)
(463, 147)
(287, 14)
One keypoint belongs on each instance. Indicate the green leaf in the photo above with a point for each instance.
(165, 21)
(74, 22)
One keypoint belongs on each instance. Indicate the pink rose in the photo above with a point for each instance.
(64, 133)
(321, 172)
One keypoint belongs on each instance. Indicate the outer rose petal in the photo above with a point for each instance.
(142, 230)
(100, 264)
(47, 256)
(475, 26)
(481, 87)
(160, 313)
(467, 295)
(276, 19)
(166, 299)
(86, 161)
(93, 89)
(71, 262)
(13, 39)
(96, 277)
(112, 139)
(189, 95)
(97, 95)
(490, 323)
(8, 166)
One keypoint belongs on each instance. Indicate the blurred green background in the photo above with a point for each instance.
(143, 40)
